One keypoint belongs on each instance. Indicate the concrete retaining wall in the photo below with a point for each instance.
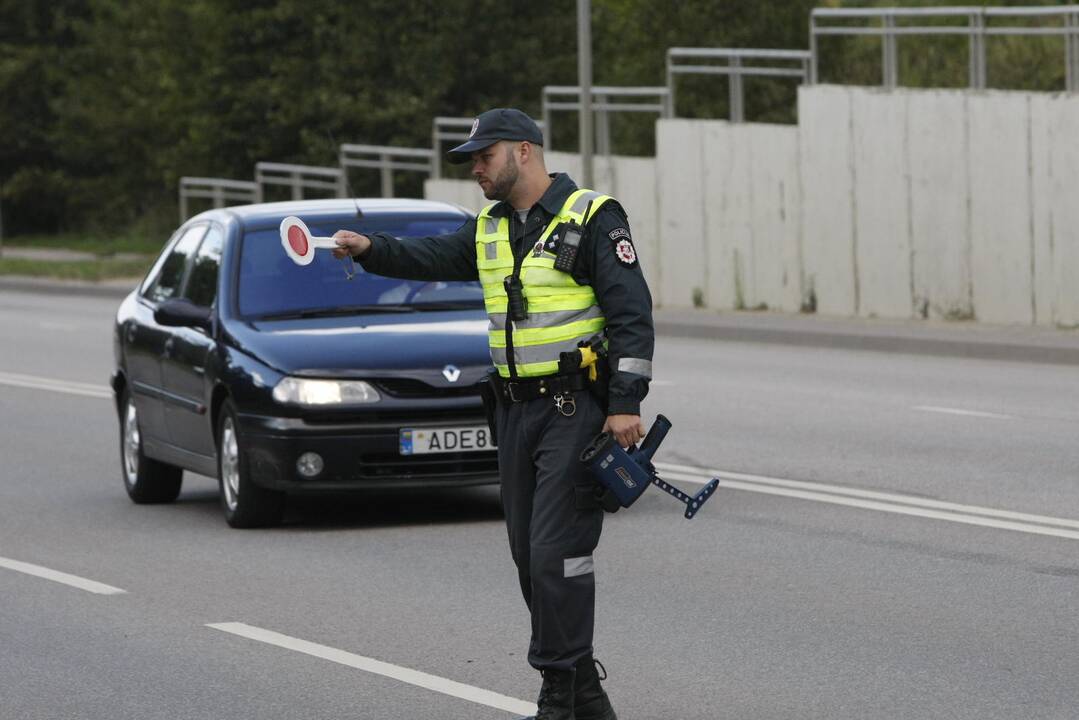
(900, 204)
(959, 203)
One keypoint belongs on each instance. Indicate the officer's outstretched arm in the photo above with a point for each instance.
(437, 257)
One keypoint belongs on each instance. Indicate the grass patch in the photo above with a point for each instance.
(96, 243)
(90, 271)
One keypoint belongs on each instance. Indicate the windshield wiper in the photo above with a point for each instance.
(338, 311)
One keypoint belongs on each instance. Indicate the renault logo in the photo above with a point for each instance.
(451, 373)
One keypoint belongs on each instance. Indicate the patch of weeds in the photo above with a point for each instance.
(90, 270)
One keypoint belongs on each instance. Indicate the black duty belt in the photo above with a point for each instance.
(547, 386)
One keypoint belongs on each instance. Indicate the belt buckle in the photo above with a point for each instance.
(509, 391)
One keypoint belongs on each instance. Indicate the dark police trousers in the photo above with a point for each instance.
(553, 524)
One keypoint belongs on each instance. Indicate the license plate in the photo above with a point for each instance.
(423, 441)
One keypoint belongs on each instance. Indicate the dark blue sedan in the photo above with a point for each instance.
(233, 361)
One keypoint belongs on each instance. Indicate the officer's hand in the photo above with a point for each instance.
(350, 243)
(626, 429)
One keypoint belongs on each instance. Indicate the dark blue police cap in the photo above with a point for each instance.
(495, 125)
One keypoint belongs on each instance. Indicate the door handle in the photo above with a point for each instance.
(168, 346)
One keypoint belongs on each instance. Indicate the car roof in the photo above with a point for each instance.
(260, 214)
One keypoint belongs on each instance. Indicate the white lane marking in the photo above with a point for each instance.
(883, 502)
(377, 667)
(965, 413)
(702, 475)
(63, 386)
(60, 577)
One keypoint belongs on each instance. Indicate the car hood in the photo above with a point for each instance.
(419, 345)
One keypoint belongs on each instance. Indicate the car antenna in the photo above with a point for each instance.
(344, 172)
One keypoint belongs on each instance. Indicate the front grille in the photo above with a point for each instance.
(375, 466)
(412, 388)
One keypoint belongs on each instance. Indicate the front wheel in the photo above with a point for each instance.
(145, 479)
(245, 504)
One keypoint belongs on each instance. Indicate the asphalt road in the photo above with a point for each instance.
(896, 537)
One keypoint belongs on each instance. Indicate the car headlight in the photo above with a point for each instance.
(300, 391)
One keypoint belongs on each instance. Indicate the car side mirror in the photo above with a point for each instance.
(181, 312)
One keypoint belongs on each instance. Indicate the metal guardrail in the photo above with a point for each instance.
(605, 100)
(444, 129)
(977, 28)
(219, 190)
(301, 177)
(386, 159)
(730, 62)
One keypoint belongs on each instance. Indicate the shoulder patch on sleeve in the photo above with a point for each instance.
(624, 251)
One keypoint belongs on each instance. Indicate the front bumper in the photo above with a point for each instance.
(358, 454)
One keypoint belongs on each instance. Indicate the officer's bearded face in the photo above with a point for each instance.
(505, 178)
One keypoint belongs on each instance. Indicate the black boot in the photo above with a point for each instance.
(556, 696)
(590, 702)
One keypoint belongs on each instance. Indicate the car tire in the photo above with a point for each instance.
(245, 503)
(146, 480)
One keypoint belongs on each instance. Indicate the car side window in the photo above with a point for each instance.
(171, 273)
(202, 283)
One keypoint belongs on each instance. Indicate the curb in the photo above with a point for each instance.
(1054, 354)
(65, 287)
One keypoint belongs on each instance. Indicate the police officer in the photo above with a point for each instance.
(558, 269)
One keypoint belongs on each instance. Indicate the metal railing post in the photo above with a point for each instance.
(545, 112)
(977, 20)
(183, 202)
(436, 146)
(812, 48)
(219, 197)
(736, 91)
(386, 175)
(670, 86)
(1071, 50)
(603, 127)
(888, 47)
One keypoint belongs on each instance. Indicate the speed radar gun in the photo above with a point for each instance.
(624, 475)
(300, 244)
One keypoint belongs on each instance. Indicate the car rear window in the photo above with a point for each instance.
(271, 283)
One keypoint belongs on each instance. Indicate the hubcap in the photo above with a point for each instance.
(230, 464)
(131, 444)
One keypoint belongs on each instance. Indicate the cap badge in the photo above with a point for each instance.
(475, 127)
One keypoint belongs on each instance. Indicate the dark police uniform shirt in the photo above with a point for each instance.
(606, 261)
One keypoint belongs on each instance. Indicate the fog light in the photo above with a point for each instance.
(310, 464)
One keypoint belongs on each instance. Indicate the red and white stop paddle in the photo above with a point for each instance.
(299, 243)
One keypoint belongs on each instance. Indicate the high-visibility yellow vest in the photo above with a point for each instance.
(560, 312)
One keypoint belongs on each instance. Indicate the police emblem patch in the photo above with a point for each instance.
(625, 252)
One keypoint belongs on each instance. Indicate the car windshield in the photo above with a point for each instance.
(271, 285)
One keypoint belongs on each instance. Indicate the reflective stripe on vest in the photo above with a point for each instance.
(561, 313)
